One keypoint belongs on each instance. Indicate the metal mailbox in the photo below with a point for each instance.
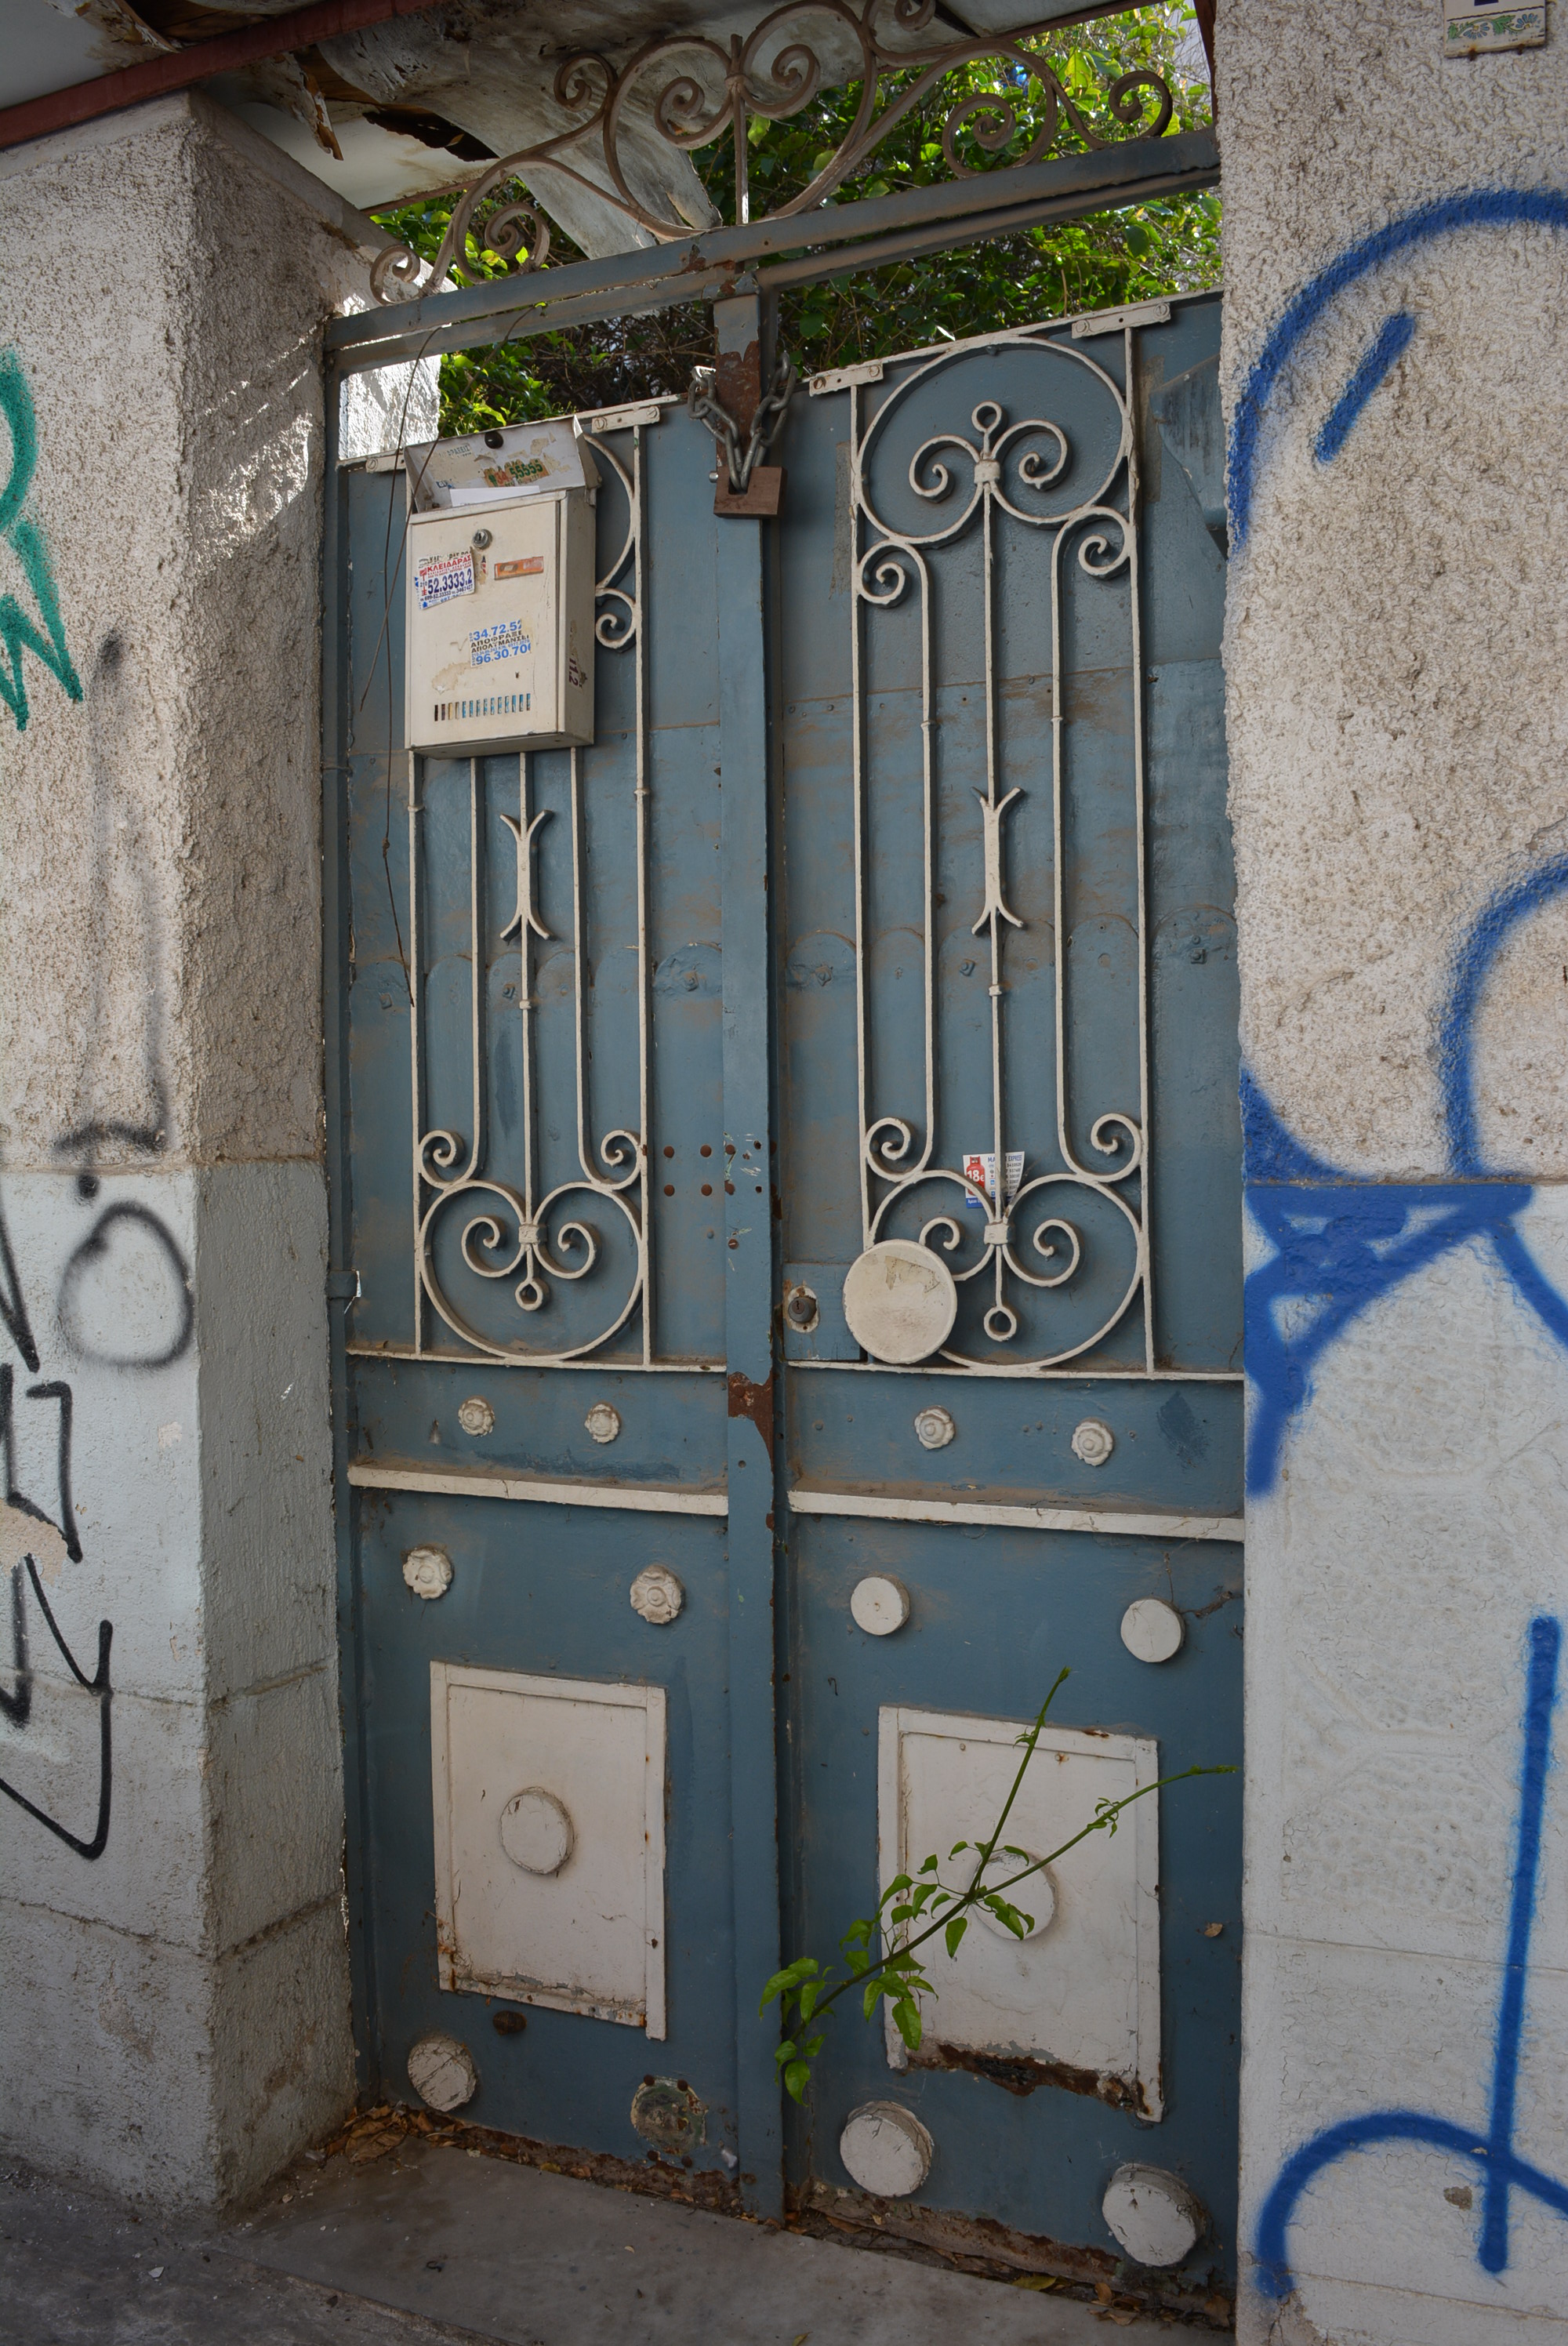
(501, 625)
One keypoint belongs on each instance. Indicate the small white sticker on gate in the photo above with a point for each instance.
(981, 1169)
(441, 577)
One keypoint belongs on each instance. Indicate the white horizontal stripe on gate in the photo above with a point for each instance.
(812, 1499)
(545, 1490)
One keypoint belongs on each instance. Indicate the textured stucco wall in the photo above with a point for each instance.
(173, 356)
(175, 2015)
(1397, 620)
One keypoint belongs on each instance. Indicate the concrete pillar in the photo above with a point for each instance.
(174, 1995)
(1397, 273)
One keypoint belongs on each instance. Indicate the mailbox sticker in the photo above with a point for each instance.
(532, 566)
(507, 640)
(441, 577)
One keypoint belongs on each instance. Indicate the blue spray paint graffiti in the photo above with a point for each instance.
(1338, 1248)
(1501, 2170)
(1341, 1243)
(17, 632)
(1393, 340)
(1473, 966)
(1478, 208)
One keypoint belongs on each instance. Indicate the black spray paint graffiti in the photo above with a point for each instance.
(18, 1707)
(43, 1538)
(47, 1535)
(60, 1393)
(155, 1348)
(12, 1307)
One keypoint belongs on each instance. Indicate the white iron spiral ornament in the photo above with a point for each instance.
(1024, 1232)
(691, 92)
(510, 1232)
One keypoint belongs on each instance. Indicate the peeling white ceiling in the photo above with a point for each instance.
(421, 103)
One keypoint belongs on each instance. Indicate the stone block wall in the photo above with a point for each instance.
(176, 1999)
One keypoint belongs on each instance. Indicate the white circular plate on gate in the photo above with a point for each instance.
(1152, 1630)
(1153, 2215)
(886, 2150)
(536, 1832)
(900, 1302)
(880, 1604)
(442, 2073)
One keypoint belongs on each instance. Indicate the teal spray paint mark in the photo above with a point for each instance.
(17, 632)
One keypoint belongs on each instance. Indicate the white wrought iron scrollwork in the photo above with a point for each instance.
(1005, 470)
(516, 1232)
(771, 75)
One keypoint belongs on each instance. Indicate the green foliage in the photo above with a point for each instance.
(916, 1908)
(1168, 245)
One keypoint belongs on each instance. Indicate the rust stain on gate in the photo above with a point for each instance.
(754, 1401)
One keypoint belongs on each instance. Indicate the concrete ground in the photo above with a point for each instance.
(434, 2242)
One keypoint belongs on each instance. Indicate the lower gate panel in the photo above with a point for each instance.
(1141, 1958)
(529, 1685)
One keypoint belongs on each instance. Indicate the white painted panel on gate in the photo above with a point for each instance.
(586, 1935)
(1083, 1990)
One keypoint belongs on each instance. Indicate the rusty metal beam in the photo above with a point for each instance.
(278, 37)
(709, 265)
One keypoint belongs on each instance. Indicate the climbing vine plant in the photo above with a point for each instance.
(917, 1908)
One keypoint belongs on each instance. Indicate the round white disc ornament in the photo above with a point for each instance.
(886, 2150)
(880, 1604)
(442, 2073)
(1153, 2215)
(1093, 1442)
(1152, 1630)
(536, 1832)
(900, 1302)
(427, 1571)
(657, 1595)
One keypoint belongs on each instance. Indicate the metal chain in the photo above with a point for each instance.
(767, 417)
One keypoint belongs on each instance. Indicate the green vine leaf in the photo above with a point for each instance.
(919, 1913)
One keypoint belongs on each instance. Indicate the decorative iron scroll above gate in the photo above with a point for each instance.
(687, 91)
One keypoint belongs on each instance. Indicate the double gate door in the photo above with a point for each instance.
(789, 1173)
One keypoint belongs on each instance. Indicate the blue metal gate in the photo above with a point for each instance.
(789, 1188)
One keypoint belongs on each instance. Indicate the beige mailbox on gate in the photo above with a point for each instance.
(500, 594)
